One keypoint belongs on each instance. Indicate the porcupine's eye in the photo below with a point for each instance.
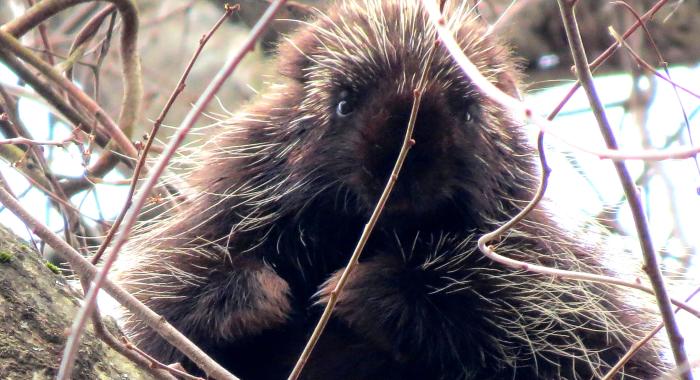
(345, 104)
(470, 112)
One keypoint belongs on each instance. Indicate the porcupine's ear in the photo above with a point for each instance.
(293, 60)
(510, 82)
(293, 49)
(510, 79)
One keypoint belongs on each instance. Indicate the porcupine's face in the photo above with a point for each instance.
(358, 70)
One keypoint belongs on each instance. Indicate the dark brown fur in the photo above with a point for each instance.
(281, 193)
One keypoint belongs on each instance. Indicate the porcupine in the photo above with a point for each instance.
(283, 189)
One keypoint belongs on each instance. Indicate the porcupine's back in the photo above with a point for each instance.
(281, 192)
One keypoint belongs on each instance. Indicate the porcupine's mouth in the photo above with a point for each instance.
(419, 187)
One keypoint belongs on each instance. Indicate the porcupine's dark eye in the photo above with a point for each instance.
(346, 105)
(470, 112)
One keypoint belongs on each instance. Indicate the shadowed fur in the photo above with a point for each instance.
(281, 191)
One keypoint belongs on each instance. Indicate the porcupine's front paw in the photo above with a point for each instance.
(416, 310)
(390, 303)
(245, 303)
(230, 305)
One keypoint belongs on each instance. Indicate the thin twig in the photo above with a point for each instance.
(407, 144)
(609, 51)
(70, 216)
(131, 64)
(59, 199)
(648, 67)
(154, 131)
(108, 160)
(17, 158)
(44, 39)
(29, 93)
(12, 46)
(85, 35)
(160, 166)
(651, 266)
(638, 345)
(676, 231)
(157, 364)
(5, 184)
(26, 141)
(663, 63)
(131, 69)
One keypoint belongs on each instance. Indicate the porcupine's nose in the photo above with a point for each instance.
(421, 172)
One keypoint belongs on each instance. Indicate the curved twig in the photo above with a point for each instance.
(516, 106)
(131, 65)
(10, 45)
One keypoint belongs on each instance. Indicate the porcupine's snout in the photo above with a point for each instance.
(426, 176)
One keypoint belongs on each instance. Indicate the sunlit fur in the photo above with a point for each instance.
(280, 193)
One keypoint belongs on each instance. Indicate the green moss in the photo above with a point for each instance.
(5, 257)
(53, 268)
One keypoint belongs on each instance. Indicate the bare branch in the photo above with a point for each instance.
(651, 266)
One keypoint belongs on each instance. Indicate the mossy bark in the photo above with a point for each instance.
(37, 307)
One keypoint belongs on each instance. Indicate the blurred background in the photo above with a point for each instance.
(645, 111)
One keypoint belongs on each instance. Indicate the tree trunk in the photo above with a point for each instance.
(37, 307)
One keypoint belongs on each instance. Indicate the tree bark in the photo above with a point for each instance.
(37, 306)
